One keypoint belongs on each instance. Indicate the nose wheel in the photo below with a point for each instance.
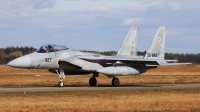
(60, 84)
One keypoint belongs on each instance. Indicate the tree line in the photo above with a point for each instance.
(191, 58)
(9, 53)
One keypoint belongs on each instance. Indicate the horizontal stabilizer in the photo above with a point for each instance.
(174, 64)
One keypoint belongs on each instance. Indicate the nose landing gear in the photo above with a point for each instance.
(61, 75)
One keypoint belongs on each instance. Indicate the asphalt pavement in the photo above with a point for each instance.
(35, 89)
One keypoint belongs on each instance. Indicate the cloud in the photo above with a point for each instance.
(174, 6)
(149, 5)
(168, 5)
(163, 5)
(98, 8)
(55, 26)
(131, 21)
(38, 22)
(39, 4)
(4, 25)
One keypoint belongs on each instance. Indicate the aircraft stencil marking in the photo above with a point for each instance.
(48, 59)
(152, 54)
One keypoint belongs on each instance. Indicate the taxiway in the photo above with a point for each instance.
(35, 89)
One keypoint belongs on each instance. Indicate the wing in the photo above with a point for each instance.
(136, 61)
(82, 64)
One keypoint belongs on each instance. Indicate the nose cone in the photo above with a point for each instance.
(21, 62)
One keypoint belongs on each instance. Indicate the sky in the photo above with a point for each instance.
(99, 25)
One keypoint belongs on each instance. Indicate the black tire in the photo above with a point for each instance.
(60, 84)
(115, 82)
(93, 81)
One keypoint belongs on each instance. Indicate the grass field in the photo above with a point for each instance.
(130, 100)
(176, 74)
(137, 100)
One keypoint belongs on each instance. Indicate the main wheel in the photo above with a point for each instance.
(60, 84)
(93, 81)
(115, 82)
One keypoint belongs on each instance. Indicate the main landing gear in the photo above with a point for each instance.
(115, 81)
(93, 80)
(61, 75)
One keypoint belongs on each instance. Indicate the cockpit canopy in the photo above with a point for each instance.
(51, 48)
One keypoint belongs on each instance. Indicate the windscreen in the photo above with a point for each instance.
(51, 48)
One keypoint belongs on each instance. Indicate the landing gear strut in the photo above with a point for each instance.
(115, 82)
(61, 75)
(93, 80)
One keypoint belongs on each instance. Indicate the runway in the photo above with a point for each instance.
(35, 89)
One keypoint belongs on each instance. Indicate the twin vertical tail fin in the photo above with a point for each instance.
(157, 48)
(129, 46)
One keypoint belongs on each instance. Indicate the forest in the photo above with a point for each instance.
(9, 53)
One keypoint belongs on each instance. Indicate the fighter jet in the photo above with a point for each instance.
(64, 61)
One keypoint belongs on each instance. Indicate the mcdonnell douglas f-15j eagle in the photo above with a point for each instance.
(61, 60)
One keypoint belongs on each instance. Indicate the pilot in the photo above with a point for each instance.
(50, 48)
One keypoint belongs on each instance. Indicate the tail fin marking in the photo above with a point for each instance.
(157, 48)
